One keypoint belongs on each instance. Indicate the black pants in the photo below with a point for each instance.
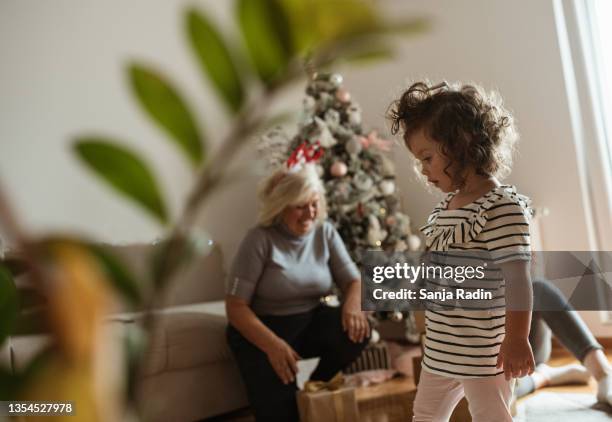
(317, 333)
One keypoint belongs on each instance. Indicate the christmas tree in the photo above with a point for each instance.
(359, 177)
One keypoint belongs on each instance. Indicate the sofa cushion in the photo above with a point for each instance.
(185, 337)
(200, 280)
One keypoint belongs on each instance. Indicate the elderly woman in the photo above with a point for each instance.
(283, 267)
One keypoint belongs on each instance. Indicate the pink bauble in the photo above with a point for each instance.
(414, 242)
(343, 95)
(338, 169)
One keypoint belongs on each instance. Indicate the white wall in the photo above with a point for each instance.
(61, 75)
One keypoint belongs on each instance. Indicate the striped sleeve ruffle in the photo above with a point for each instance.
(439, 237)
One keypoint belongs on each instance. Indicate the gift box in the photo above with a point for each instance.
(327, 402)
(390, 401)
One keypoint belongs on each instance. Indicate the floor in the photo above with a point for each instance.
(560, 357)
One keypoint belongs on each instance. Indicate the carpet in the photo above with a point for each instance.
(562, 407)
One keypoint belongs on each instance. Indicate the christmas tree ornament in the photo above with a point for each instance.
(323, 134)
(373, 140)
(343, 191)
(374, 237)
(353, 146)
(332, 119)
(321, 84)
(414, 242)
(338, 169)
(390, 220)
(375, 234)
(305, 121)
(309, 104)
(397, 316)
(400, 246)
(353, 114)
(373, 222)
(343, 95)
(305, 153)
(324, 102)
(362, 181)
(336, 80)
(387, 187)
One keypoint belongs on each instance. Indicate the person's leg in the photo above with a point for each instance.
(326, 339)
(540, 338)
(436, 398)
(526, 385)
(552, 308)
(489, 398)
(597, 364)
(563, 320)
(572, 332)
(270, 399)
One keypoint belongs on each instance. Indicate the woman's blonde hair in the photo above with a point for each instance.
(287, 187)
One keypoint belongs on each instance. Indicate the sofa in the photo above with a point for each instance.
(189, 372)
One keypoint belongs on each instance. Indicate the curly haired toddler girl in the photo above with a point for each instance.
(462, 137)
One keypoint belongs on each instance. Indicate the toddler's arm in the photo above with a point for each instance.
(515, 354)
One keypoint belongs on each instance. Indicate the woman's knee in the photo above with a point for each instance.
(540, 286)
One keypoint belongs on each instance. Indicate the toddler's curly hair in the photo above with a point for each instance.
(471, 126)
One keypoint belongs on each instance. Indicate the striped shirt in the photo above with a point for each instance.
(465, 343)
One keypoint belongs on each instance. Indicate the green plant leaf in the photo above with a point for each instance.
(9, 382)
(317, 22)
(365, 56)
(215, 59)
(124, 170)
(121, 279)
(267, 35)
(174, 254)
(135, 342)
(9, 303)
(359, 50)
(408, 27)
(165, 106)
(14, 382)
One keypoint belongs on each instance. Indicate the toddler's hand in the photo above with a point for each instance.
(516, 357)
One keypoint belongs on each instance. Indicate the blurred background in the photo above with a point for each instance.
(61, 75)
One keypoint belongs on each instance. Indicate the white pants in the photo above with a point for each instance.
(488, 398)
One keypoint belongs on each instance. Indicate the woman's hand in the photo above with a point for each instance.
(516, 357)
(283, 359)
(354, 320)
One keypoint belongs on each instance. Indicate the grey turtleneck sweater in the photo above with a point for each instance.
(279, 273)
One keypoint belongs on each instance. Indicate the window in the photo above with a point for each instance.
(585, 35)
(600, 14)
